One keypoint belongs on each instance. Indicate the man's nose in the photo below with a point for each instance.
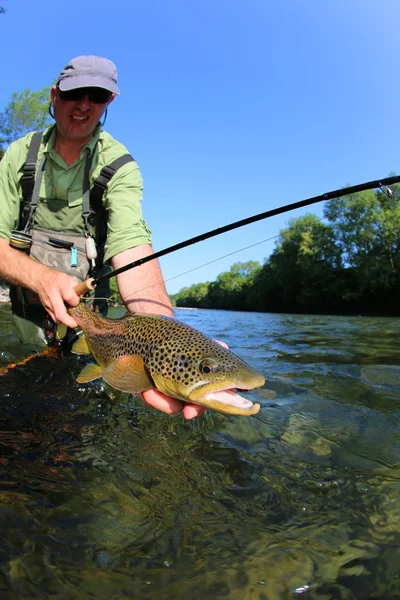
(84, 102)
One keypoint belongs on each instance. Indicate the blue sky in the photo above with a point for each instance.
(230, 108)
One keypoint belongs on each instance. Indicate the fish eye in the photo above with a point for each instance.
(206, 367)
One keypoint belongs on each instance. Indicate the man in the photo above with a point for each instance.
(76, 148)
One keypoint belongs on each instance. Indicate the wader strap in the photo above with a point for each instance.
(86, 190)
(28, 176)
(107, 172)
(35, 194)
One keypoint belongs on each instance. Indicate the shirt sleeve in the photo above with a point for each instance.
(126, 227)
(9, 191)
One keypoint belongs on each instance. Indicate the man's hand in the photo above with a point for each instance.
(54, 289)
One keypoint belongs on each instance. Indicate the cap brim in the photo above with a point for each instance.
(71, 83)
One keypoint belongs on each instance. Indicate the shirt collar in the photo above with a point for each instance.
(86, 151)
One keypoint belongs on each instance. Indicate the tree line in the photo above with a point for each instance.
(344, 263)
(26, 111)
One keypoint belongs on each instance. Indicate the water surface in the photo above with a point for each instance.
(110, 499)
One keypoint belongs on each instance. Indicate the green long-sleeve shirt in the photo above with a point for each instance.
(60, 197)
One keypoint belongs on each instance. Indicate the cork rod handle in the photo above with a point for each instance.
(85, 286)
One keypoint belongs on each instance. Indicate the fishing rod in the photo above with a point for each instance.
(92, 282)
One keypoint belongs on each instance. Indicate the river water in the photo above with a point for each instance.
(110, 499)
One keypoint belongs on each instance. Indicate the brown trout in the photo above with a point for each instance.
(139, 352)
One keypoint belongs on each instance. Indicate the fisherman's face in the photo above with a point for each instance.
(77, 118)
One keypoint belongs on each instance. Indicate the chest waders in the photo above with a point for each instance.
(73, 253)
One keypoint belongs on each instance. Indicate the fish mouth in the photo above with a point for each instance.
(228, 401)
(221, 395)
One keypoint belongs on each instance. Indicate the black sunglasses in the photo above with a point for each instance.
(95, 95)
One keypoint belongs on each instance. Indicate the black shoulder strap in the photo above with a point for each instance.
(28, 173)
(107, 172)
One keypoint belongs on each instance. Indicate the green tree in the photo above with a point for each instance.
(193, 296)
(231, 288)
(26, 111)
(299, 275)
(367, 226)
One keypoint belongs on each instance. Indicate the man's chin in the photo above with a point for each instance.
(78, 134)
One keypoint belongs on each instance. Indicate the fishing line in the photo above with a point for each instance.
(213, 261)
(220, 258)
(378, 183)
(204, 265)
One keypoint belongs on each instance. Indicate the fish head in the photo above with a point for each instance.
(201, 371)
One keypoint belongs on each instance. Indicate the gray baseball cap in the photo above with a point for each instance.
(89, 71)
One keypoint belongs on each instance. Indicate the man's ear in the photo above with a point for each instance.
(53, 94)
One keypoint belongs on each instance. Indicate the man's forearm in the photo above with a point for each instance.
(53, 288)
(142, 289)
(17, 268)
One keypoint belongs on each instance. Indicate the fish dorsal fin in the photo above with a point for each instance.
(128, 374)
(80, 346)
(89, 373)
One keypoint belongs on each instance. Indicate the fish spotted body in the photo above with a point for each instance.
(138, 352)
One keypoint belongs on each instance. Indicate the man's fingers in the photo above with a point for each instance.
(190, 411)
(224, 344)
(55, 289)
(68, 321)
(171, 406)
(71, 298)
(160, 401)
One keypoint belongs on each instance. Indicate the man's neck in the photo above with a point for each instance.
(69, 150)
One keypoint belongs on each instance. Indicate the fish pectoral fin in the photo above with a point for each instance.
(89, 373)
(128, 374)
(80, 346)
(61, 331)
